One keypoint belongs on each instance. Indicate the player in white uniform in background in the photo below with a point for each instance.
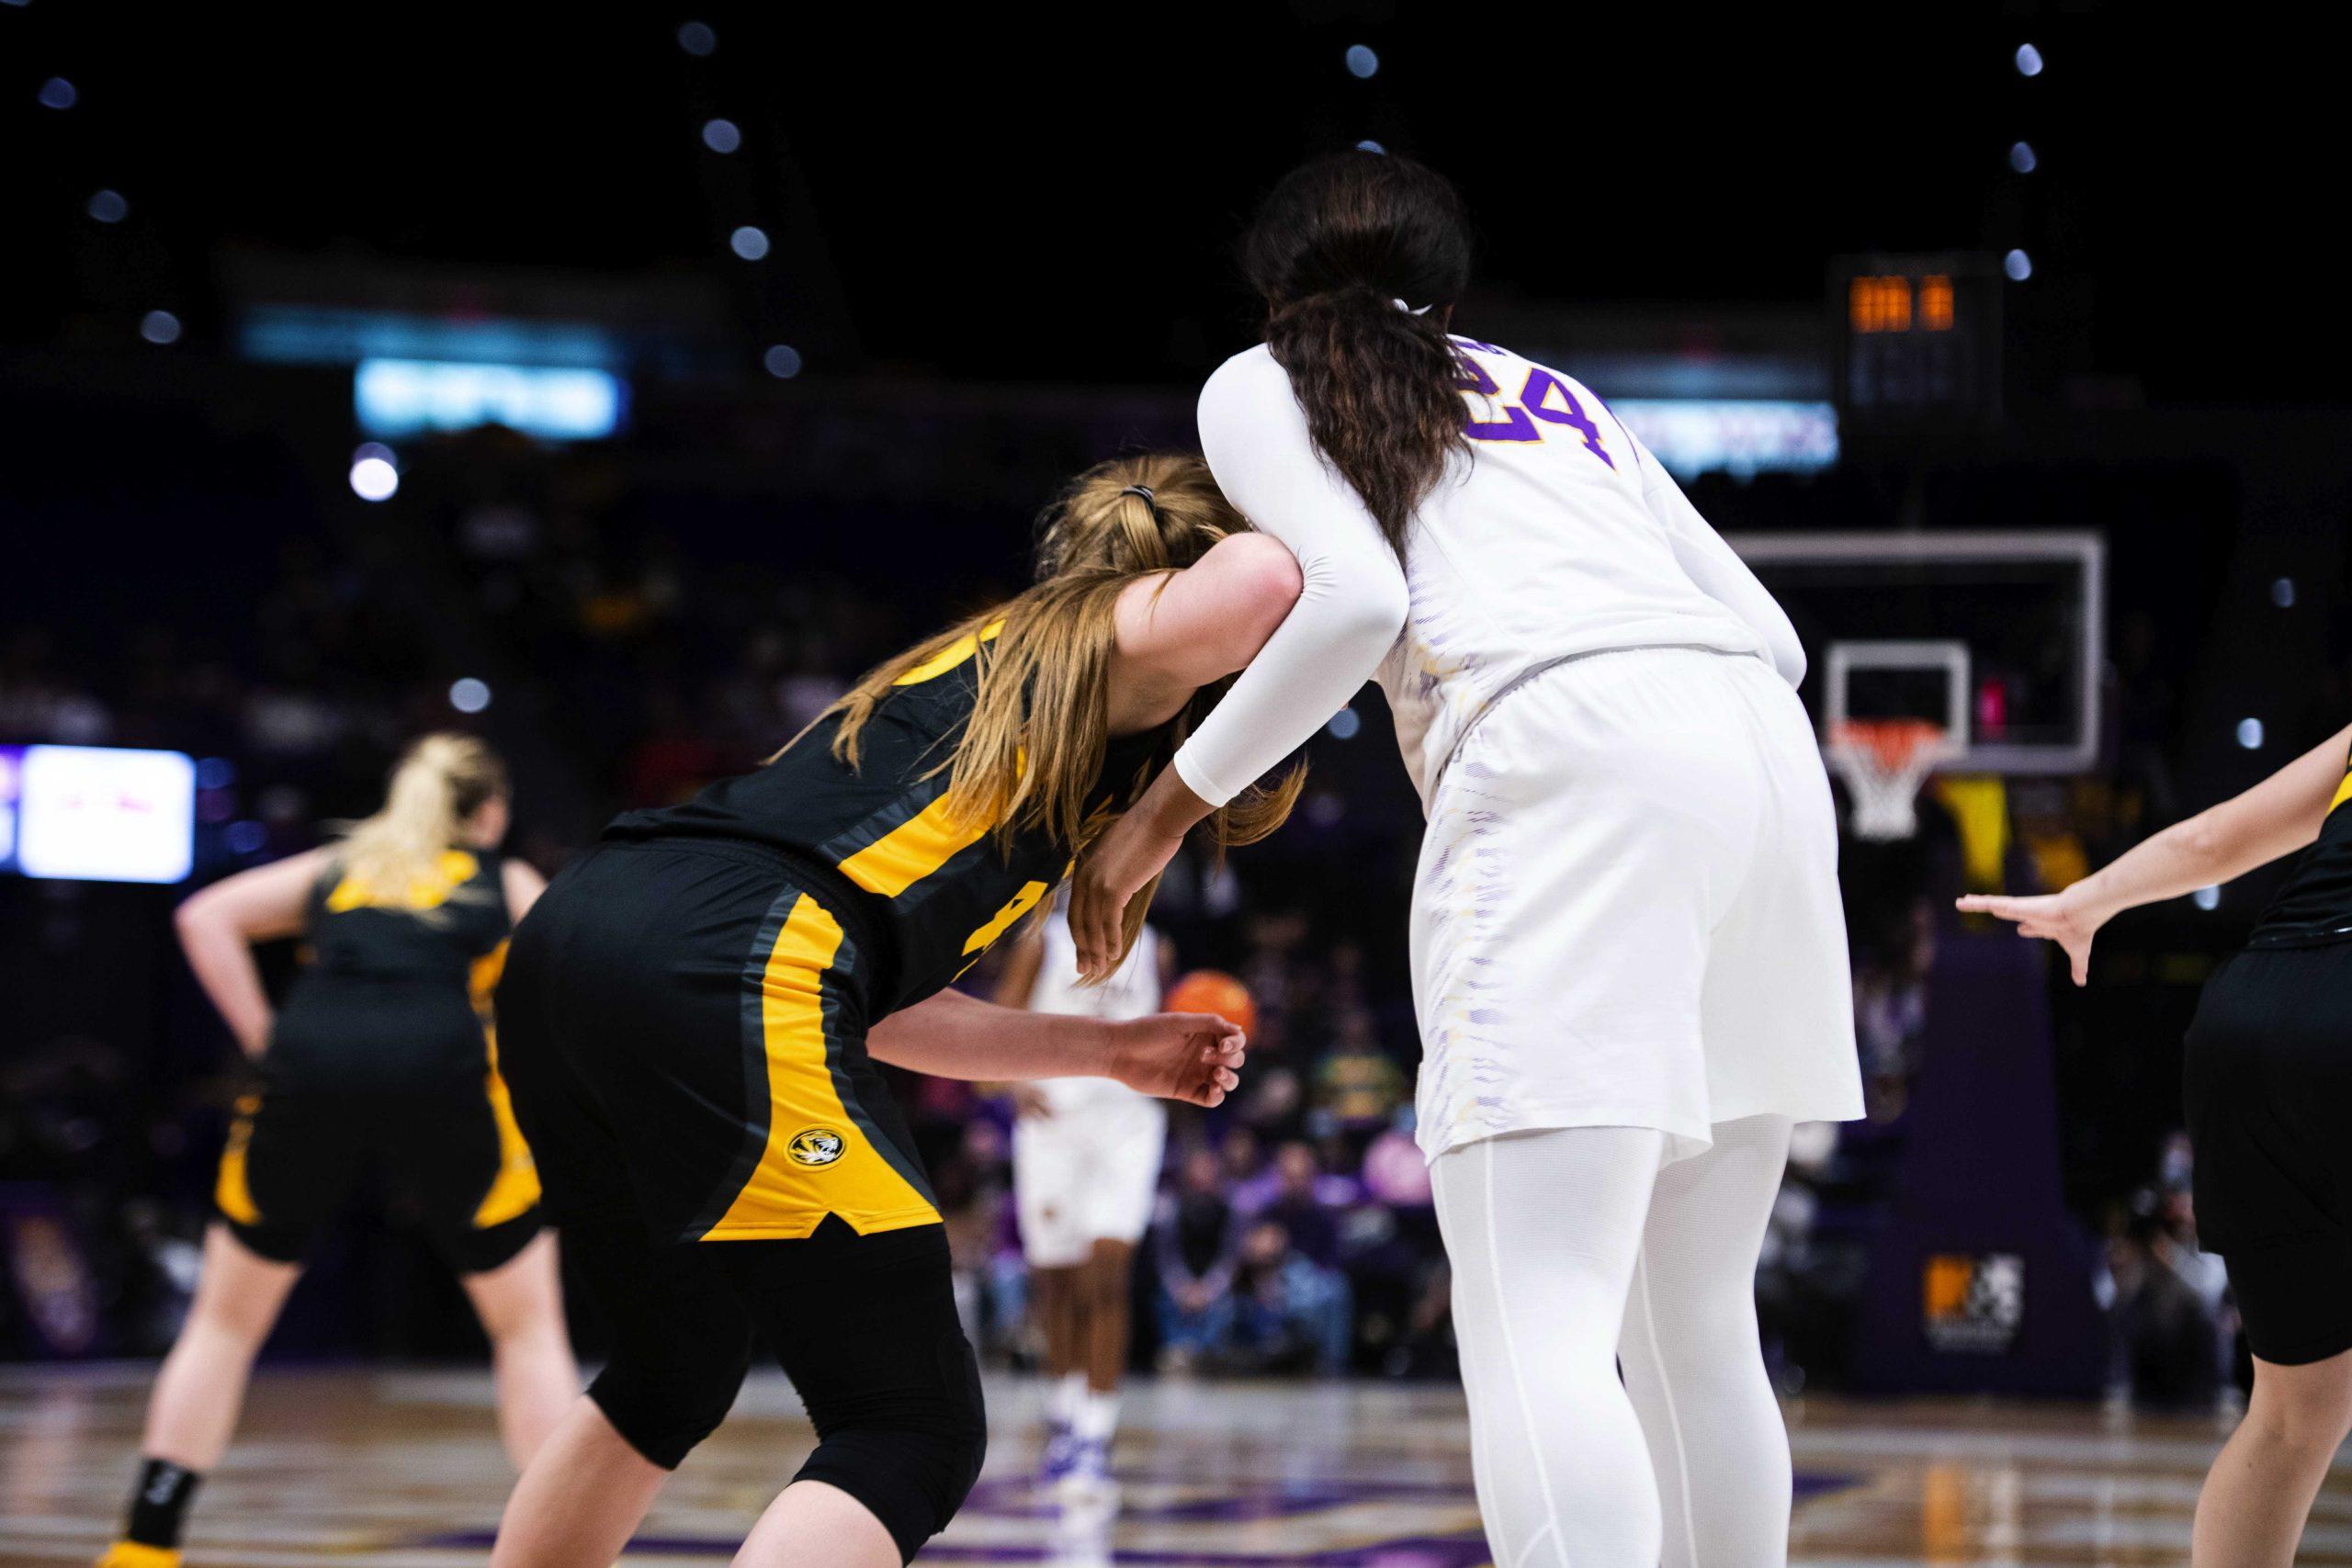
(1085, 1173)
(1628, 951)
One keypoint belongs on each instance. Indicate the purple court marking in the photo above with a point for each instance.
(1418, 1551)
(1421, 1552)
(1012, 1499)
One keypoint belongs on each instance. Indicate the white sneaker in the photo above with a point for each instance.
(1089, 1478)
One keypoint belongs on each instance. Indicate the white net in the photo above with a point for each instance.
(1883, 763)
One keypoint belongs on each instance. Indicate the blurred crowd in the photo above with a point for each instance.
(1293, 1231)
(624, 644)
(2173, 1324)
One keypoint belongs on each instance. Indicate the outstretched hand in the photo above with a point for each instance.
(1192, 1056)
(2068, 918)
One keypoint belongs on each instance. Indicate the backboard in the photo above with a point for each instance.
(1997, 635)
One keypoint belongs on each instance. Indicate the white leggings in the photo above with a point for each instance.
(1574, 1252)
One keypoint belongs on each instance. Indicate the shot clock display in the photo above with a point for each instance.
(1918, 338)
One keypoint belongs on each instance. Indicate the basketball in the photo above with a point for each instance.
(1214, 990)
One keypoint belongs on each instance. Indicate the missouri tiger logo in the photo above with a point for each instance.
(816, 1145)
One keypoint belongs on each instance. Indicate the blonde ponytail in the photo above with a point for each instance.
(396, 855)
(1030, 755)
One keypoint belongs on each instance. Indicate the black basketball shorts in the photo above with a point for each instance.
(2268, 1092)
(452, 1151)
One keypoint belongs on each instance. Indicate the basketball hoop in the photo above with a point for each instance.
(1883, 763)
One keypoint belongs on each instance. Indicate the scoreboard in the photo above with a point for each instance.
(1917, 339)
(97, 814)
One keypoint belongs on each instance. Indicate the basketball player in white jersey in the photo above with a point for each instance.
(1628, 953)
(1085, 1172)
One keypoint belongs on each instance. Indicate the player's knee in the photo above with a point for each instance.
(911, 1460)
(663, 1406)
(1713, 1334)
(1106, 1288)
(235, 1328)
(237, 1312)
(2307, 1407)
(913, 1481)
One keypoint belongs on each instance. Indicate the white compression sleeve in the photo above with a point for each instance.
(1693, 1362)
(1353, 601)
(1716, 568)
(1544, 1231)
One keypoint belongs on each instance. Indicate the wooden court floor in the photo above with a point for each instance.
(401, 1470)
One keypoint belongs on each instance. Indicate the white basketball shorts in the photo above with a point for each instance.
(1626, 913)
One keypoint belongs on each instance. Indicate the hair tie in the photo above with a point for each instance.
(1410, 310)
(1150, 498)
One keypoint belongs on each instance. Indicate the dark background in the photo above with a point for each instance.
(1001, 251)
(1016, 198)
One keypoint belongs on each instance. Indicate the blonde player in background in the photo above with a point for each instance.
(1085, 1171)
(377, 1056)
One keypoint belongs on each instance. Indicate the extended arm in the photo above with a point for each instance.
(1178, 631)
(1018, 982)
(219, 926)
(2277, 817)
(1351, 601)
(1014, 987)
(1350, 604)
(1717, 569)
(1175, 1056)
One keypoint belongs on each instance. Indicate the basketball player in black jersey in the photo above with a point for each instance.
(692, 1017)
(378, 1056)
(2268, 1094)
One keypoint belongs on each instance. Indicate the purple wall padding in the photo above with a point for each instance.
(1977, 1208)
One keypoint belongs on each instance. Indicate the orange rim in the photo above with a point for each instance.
(1893, 742)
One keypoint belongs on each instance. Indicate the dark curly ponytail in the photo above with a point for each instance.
(1332, 250)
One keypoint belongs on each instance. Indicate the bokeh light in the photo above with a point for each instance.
(373, 477)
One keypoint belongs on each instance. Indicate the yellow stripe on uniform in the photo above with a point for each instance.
(2343, 793)
(947, 657)
(231, 1192)
(516, 1186)
(451, 871)
(817, 1162)
(481, 983)
(977, 945)
(913, 850)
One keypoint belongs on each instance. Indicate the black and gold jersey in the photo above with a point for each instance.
(2315, 905)
(394, 987)
(935, 890)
